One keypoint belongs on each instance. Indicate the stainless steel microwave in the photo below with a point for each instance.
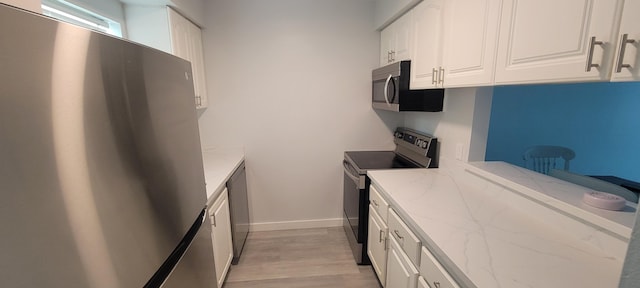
(391, 91)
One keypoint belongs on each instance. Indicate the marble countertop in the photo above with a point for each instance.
(219, 165)
(488, 235)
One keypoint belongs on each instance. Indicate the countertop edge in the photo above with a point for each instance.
(458, 275)
(553, 203)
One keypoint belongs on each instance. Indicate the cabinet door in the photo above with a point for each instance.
(197, 65)
(376, 244)
(469, 42)
(179, 31)
(426, 50)
(551, 41)
(386, 45)
(402, 47)
(395, 41)
(400, 272)
(221, 234)
(186, 43)
(627, 65)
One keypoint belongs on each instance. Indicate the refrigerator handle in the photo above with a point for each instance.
(167, 266)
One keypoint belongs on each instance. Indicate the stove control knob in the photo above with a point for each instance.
(399, 135)
(424, 144)
(418, 142)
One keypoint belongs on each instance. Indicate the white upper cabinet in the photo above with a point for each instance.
(556, 41)
(470, 42)
(454, 43)
(186, 43)
(426, 27)
(627, 61)
(395, 41)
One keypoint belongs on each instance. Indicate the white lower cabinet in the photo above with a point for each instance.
(397, 254)
(400, 271)
(221, 234)
(376, 244)
(433, 272)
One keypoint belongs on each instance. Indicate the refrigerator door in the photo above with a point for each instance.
(100, 165)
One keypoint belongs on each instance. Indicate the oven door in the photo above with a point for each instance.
(354, 185)
(356, 212)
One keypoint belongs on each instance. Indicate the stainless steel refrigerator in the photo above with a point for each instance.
(101, 176)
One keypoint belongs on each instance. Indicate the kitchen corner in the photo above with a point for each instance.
(492, 224)
(227, 206)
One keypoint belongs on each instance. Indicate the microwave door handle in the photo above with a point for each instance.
(386, 90)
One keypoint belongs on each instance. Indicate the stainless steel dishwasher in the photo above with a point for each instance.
(239, 206)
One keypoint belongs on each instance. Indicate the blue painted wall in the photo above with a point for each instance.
(599, 121)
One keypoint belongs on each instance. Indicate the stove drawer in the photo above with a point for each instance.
(378, 203)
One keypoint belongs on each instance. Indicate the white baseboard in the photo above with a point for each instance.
(303, 224)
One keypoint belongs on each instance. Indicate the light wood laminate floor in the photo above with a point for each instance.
(306, 258)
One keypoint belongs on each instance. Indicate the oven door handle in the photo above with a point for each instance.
(356, 179)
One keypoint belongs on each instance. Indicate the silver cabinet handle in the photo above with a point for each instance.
(375, 203)
(398, 235)
(388, 56)
(623, 46)
(434, 76)
(441, 75)
(592, 45)
(393, 55)
(436, 284)
(381, 236)
(213, 219)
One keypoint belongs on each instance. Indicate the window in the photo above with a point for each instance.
(71, 13)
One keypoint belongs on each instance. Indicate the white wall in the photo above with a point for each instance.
(464, 122)
(290, 81)
(32, 5)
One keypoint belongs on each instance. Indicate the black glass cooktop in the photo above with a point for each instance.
(368, 160)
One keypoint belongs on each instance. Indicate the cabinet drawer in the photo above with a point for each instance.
(379, 204)
(433, 272)
(408, 241)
